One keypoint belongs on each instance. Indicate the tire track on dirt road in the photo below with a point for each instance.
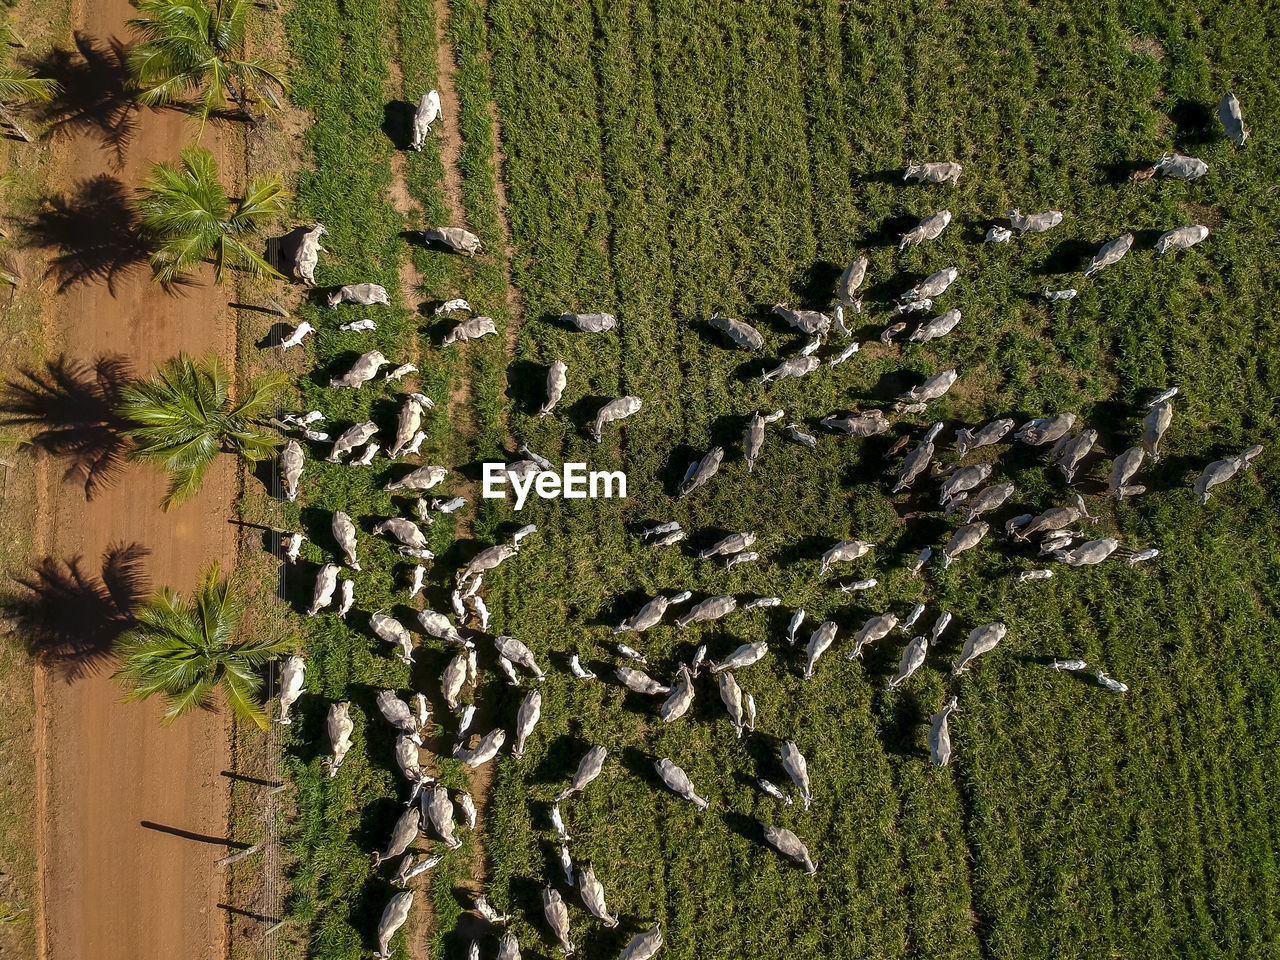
(114, 889)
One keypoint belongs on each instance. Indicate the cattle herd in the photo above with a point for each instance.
(962, 489)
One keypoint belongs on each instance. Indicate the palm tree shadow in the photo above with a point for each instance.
(74, 618)
(96, 97)
(72, 406)
(95, 232)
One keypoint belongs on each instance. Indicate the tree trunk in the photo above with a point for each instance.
(7, 116)
(242, 102)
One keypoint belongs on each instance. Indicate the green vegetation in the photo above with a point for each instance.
(665, 161)
(185, 415)
(187, 650)
(188, 217)
(193, 46)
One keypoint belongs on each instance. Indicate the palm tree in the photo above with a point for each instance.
(185, 650)
(19, 85)
(185, 213)
(191, 45)
(184, 416)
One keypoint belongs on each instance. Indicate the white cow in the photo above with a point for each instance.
(426, 114)
(363, 294)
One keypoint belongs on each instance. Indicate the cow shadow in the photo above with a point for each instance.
(1194, 123)
(74, 618)
(397, 123)
(72, 407)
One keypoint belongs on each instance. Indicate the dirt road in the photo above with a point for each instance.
(129, 808)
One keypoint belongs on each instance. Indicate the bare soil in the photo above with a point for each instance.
(132, 814)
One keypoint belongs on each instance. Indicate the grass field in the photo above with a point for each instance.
(669, 159)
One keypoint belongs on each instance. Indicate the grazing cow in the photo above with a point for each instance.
(1115, 686)
(1056, 518)
(930, 228)
(450, 306)
(407, 425)
(798, 770)
(773, 790)
(1033, 222)
(947, 171)
(981, 640)
(509, 948)
(473, 328)
(291, 462)
(1122, 471)
(351, 438)
(1071, 665)
(406, 754)
(940, 734)
(990, 498)
(819, 642)
(406, 531)
(339, 727)
(877, 628)
(650, 615)
(998, 235)
(455, 238)
(1223, 470)
(1142, 555)
(439, 812)
(869, 423)
(964, 479)
(965, 538)
(630, 653)
(1070, 293)
(402, 834)
(1087, 554)
(1182, 238)
(612, 411)
(1181, 167)
(437, 625)
(933, 388)
(794, 367)
(802, 438)
(731, 697)
(1109, 254)
(844, 354)
(734, 543)
(307, 254)
(557, 378)
(742, 334)
(362, 371)
(397, 713)
(789, 845)
(593, 897)
(344, 532)
(392, 919)
(487, 910)
(1042, 430)
(517, 652)
(744, 656)
(701, 471)
(679, 783)
(1072, 452)
(485, 750)
(358, 326)
(712, 608)
(869, 583)
(392, 631)
(912, 660)
(843, 552)
(526, 719)
(932, 286)
(939, 626)
(915, 462)
(991, 433)
(754, 439)
(322, 594)
(422, 478)
(643, 946)
(637, 681)
(680, 699)
(361, 294)
(850, 280)
(1026, 576)
(292, 674)
(366, 458)
(297, 336)
(1232, 120)
(588, 769)
(1154, 425)
(918, 562)
(590, 322)
(426, 114)
(812, 322)
(939, 326)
